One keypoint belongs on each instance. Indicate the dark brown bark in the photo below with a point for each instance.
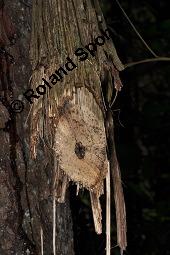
(25, 201)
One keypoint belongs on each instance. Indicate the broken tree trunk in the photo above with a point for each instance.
(69, 65)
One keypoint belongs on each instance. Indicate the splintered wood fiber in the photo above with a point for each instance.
(69, 116)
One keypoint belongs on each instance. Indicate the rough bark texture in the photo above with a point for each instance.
(68, 114)
(25, 201)
(68, 139)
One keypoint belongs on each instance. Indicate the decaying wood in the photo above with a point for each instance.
(116, 176)
(120, 205)
(70, 116)
(80, 142)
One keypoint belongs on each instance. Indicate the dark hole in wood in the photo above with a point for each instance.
(80, 150)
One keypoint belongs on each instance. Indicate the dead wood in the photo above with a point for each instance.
(69, 118)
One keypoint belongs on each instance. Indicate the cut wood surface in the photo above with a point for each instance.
(80, 142)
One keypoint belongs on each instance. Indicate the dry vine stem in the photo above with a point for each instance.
(70, 117)
(108, 203)
(134, 28)
(42, 241)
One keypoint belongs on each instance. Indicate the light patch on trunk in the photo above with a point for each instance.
(80, 142)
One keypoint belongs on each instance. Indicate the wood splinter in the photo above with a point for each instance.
(72, 115)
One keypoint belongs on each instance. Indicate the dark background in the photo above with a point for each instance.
(142, 120)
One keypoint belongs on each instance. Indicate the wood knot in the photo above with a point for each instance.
(80, 150)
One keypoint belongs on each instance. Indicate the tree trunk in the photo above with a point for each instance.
(25, 201)
(67, 138)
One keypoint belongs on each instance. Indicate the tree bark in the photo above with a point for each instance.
(66, 140)
(68, 114)
(25, 201)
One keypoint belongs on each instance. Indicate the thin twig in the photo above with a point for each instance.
(108, 211)
(42, 243)
(54, 224)
(56, 165)
(136, 31)
(118, 110)
(114, 99)
(146, 61)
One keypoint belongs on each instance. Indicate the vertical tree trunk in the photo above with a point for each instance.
(72, 59)
(68, 139)
(23, 213)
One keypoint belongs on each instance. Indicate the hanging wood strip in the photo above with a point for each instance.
(69, 117)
